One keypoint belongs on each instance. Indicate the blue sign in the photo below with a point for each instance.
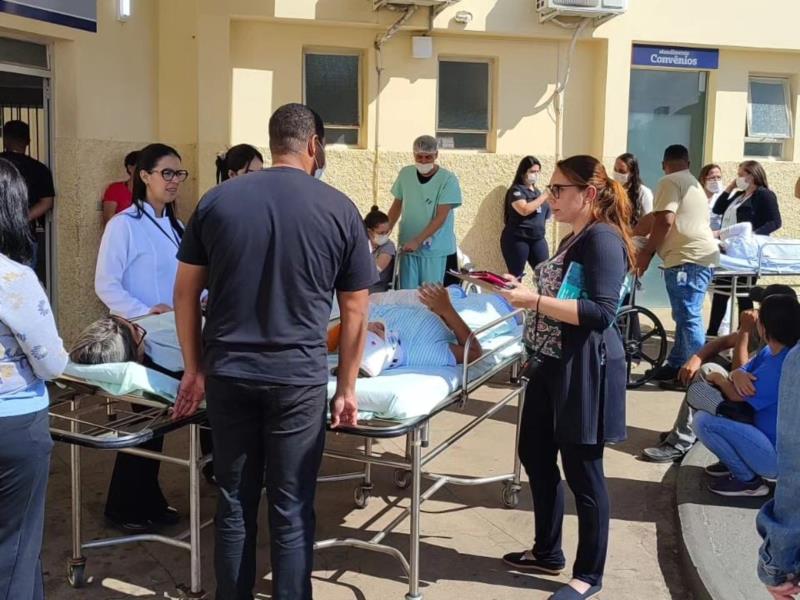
(80, 14)
(676, 58)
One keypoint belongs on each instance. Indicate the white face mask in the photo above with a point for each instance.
(380, 240)
(319, 173)
(714, 186)
(425, 168)
(742, 183)
(533, 178)
(621, 177)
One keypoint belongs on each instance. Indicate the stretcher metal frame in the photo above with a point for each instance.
(417, 432)
(85, 416)
(743, 281)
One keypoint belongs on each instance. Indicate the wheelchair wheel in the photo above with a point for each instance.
(645, 342)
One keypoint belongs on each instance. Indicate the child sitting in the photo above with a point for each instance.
(748, 451)
(383, 249)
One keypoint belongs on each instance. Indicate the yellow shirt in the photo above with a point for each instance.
(690, 239)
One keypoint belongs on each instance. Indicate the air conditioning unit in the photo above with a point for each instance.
(378, 4)
(580, 8)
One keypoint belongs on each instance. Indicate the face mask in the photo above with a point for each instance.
(621, 177)
(714, 186)
(425, 168)
(742, 183)
(320, 170)
(533, 178)
(380, 240)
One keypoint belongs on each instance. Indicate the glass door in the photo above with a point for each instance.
(666, 107)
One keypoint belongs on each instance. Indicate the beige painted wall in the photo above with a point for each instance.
(204, 74)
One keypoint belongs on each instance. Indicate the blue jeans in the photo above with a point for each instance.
(779, 520)
(25, 447)
(743, 448)
(686, 287)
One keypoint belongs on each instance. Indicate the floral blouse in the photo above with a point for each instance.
(30, 348)
(547, 336)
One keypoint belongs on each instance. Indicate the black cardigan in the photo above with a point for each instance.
(592, 373)
(760, 209)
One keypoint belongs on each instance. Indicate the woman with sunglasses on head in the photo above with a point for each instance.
(575, 401)
(135, 276)
(31, 352)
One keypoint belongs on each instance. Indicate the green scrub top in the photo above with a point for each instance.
(420, 202)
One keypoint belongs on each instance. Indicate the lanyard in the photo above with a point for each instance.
(171, 238)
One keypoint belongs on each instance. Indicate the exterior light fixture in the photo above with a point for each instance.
(123, 10)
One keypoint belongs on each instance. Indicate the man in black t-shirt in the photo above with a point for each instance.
(38, 178)
(271, 248)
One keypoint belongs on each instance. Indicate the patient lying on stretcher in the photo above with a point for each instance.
(424, 328)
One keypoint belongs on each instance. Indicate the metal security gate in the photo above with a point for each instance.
(25, 95)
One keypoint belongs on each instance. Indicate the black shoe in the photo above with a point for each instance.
(131, 526)
(718, 469)
(525, 561)
(663, 454)
(662, 437)
(169, 516)
(570, 593)
(662, 373)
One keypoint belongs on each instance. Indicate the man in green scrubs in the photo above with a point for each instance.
(425, 195)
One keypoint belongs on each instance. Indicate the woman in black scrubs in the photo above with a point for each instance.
(526, 212)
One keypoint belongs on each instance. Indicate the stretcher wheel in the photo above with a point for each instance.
(361, 495)
(76, 573)
(645, 341)
(402, 478)
(511, 495)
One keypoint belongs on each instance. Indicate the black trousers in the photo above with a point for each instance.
(25, 447)
(583, 469)
(272, 434)
(134, 493)
(719, 304)
(518, 250)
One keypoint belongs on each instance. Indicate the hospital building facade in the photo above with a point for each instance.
(490, 79)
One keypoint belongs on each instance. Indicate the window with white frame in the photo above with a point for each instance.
(769, 117)
(464, 111)
(332, 87)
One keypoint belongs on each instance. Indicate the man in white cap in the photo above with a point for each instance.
(425, 195)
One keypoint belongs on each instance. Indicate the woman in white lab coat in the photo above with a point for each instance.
(135, 276)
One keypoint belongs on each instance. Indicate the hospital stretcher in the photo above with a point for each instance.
(775, 258)
(85, 416)
(80, 416)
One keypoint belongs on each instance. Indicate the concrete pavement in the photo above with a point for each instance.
(465, 529)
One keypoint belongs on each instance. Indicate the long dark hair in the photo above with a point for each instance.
(524, 166)
(148, 159)
(16, 241)
(612, 205)
(235, 159)
(519, 179)
(634, 185)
